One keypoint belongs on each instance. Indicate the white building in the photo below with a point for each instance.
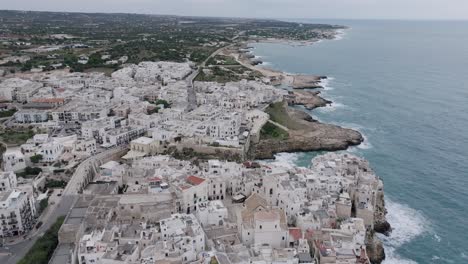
(186, 233)
(51, 151)
(7, 181)
(194, 193)
(97, 128)
(263, 225)
(31, 116)
(214, 214)
(13, 160)
(17, 213)
(122, 135)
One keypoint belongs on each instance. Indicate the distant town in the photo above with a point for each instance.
(150, 139)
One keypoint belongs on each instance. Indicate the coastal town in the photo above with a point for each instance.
(159, 160)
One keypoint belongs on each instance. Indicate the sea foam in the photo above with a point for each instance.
(287, 160)
(407, 224)
(325, 83)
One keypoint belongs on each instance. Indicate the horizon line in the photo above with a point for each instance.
(248, 17)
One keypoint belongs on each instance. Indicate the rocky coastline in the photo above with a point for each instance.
(309, 99)
(310, 135)
(306, 134)
(307, 81)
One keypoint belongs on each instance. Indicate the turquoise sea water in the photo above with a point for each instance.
(404, 85)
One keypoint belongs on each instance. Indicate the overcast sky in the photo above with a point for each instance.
(366, 9)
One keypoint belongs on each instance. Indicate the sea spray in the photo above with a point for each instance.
(407, 224)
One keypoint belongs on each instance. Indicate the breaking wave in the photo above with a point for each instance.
(266, 63)
(340, 34)
(325, 83)
(287, 160)
(407, 224)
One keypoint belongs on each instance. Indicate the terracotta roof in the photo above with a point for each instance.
(155, 179)
(194, 180)
(295, 233)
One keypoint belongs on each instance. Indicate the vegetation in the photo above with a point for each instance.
(7, 113)
(36, 158)
(16, 137)
(139, 37)
(43, 205)
(223, 74)
(270, 130)
(165, 103)
(29, 172)
(214, 260)
(42, 250)
(51, 183)
(222, 60)
(278, 113)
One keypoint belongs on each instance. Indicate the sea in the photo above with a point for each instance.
(404, 86)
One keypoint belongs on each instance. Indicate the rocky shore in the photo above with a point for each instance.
(306, 134)
(309, 99)
(307, 81)
(374, 246)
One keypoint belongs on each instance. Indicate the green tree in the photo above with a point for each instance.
(42, 250)
(36, 158)
(43, 205)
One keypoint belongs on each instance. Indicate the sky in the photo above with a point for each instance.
(341, 9)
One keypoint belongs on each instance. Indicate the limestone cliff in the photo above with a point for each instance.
(306, 134)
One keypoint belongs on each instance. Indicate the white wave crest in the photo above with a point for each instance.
(325, 83)
(330, 107)
(287, 160)
(365, 144)
(407, 224)
(340, 34)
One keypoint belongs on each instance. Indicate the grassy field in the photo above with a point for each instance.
(228, 73)
(42, 250)
(13, 137)
(279, 114)
(270, 130)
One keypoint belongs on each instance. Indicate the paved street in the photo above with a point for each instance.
(12, 254)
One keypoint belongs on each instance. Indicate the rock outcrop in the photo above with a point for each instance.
(307, 81)
(309, 99)
(309, 135)
(375, 249)
(381, 225)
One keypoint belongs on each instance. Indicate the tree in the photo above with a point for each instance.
(36, 158)
(165, 103)
(42, 250)
(43, 205)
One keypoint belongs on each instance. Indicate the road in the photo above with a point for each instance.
(191, 94)
(12, 254)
